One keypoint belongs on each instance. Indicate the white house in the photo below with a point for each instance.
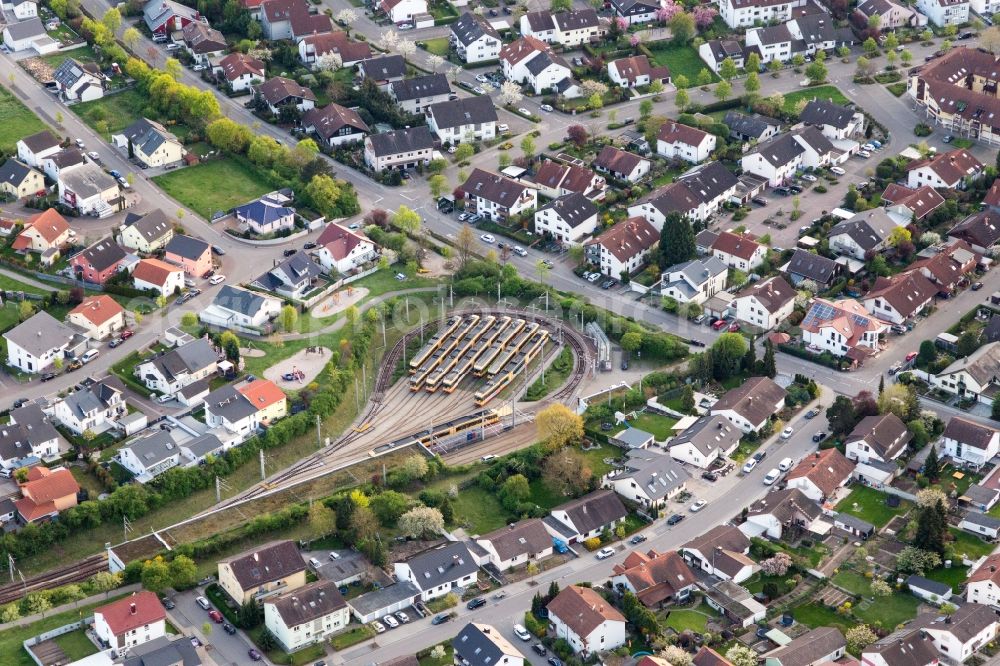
(227, 407)
(901, 648)
(399, 149)
(342, 250)
(766, 303)
(779, 158)
(417, 94)
(677, 141)
(588, 516)
(159, 276)
(517, 544)
(240, 309)
(268, 214)
(723, 552)
(637, 11)
(697, 194)
(982, 525)
(586, 621)
(621, 164)
(900, 297)
(819, 475)
(970, 442)
(403, 11)
(657, 579)
(21, 9)
(739, 251)
(945, 12)
(130, 621)
(975, 376)
(27, 437)
(29, 34)
(568, 219)
(335, 125)
(241, 71)
(636, 71)
(482, 645)
(746, 13)
(648, 478)
(623, 248)
(33, 345)
(150, 143)
(33, 149)
(60, 164)
(961, 634)
(882, 438)
(498, 198)
(463, 120)
(694, 281)
(893, 15)
(306, 615)
(530, 61)
(96, 407)
(571, 28)
(948, 170)
(475, 39)
(983, 583)
(439, 571)
(150, 455)
(865, 233)
(779, 511)
(836, 122)
(179, 367)
(90, 190)
(843, 328)
(79, 82)
(705, 441)
(817, 646)
(751, 405)
(99, 315)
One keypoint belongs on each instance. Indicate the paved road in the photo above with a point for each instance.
(225, 649)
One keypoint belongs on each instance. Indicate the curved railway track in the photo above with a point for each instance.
(72, 573)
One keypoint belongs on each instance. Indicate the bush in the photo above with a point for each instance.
(593, 543)
(922, 129)
(534, 625)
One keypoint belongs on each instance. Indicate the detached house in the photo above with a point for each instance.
(744, 13)
(751, 128)
(280, 92)
(46, 493)
(530, 61)
(99, 316)
(961, 634)
(45, 233)
(240, 309)
(90, 191)
(59, 165)
(18, 180)
(648, 478)
(819, 475)
(130, 621)
(622, 249)
(343, 250)
(193, 255)
(99, 261)
(723, 552)
(779, 158)
(159, 276)
(751, 405)
(555, 179)
(96, 407)
(586, 517)
(267, 215)
(29, 34)
(843, 328)
(708, 439)
(865, 233)
(482, 645)
(399, 149)
(902, 648)
(416, 95)
(694, 281)
(25, 439)
(291, 19)
(738, 251)
(983, 583)
(780, 510)
(905, 205)
(33, 345)
(464, 120)
(636, 71)
(242, 410)
(33, 149)
(439, 571)
(805, 265)
(949, 266)
(882, 438)
(315, 47)
(522, 542)
(241, 71)
(179, 367)
(21, 9)
(835, 121)
(270, 569)
(203, 43)
(969, 442)
(636, 11)
(766, 303)
(621, 164)
(950, 170)
(292, 278)
(900, 297)
(78, 82)
(657, 579)
(403, 11)
(945, 12)
(572, 28)
(475, 39)
(383, 70)
(498, 198)
(585, 620)
(980, 230)
(568, 219)
(163, 17)
(715, 51)
(817, 646)
(677, 141)
(891, 15)
(147, 233)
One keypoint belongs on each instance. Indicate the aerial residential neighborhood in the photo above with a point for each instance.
(426, 332)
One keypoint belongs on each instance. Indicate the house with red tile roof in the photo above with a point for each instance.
(555, 179)
(739, 251)
(130, 621)
(344, 250)
(623, 248)
(586, 620)
(350, 52)
(291, 19)
(269, 400)
(949, 266)
(682, 142)
(655, 578)
(46, 493)
(900, 297)
(819, 475)
(843, 328)
(241, 71)
(905, 204)
(99, 315)
(45, 231)
(636, 71)
(154, 274)
(948, 171)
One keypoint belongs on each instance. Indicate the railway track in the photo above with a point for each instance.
(73, 573)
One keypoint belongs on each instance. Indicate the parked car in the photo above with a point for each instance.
(89, 355)
(638, 538)
(539, 649)
(698, 506)
(217, 279)
(808, 177)
(948, 138)
(309, 246)
(478, 602)
(749, 465)
(524, 112)
(786, 464)
(168, 603)
(488, 238)
(115, 342)
(378, 627)
(837, 170)
(390, 621)
(976, 286)
(48, 376)
(289, 252)
(254, 655)
(546, 107)
(719, 324)
(521, 632)
(819, 437)
(674, 519)
(760, 201)
(440, 619)
(605, 553)
(402, 617)
(760, 455)
(228, 628)
(787, 432)
(216, 616)
(710, 476)
(812, 413)
(771, 477)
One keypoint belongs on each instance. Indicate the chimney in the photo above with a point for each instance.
(131, 608)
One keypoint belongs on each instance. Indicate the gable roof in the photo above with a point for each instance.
(810, 266)
(43, 487)
(187, 247)
(540, 21)
(152, 226)
(594, 510)
(577, 19)
(779, 150)
(154, 271)
(482, 645)
(964, 624)
(906, 292)
(951, 167)
(236, 65)
(40, 334)
(307, 603)
(969, 432)
(410, 140)
(338, 42)
(339, 241)
(28, 427)
(628, 238)
(441, 565)
(50, 225)
(752, 126)
(885, 433)
(296, 12)
(98, 396)
(785, 505)
(186, 359)
(521, 49)
(848, 317)
(243, 301)
(656, 576)
(617, 160)
(583, 610)
(825, 112)
(98, 309)
(469, 28)
(382, 68)
(525, 537)
(810, 647)
(906, 648)
(131, 612)
(868, 229)
(102, 255)
(827, 469)
(709, 434)
(262, 393)
(920, 202)
(498, 189)
(265, 564)
(158, 12)
(429, 85)
(14, 172)
(265, 209)
(754, 399)
(278, 89)
(574, 208)
(228, 403)
(706, 656)
(31, 27)
(87, 181)
(41, 141)
(330, 119)
(464, 111)
(726, 537)
(674, 132)
(656, 474)
(988, 570)
(202, 38)
(982, 228)
(773, 293)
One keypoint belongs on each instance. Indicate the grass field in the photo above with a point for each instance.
(480, 510)
(10, 284)
(853, 582)
(831, 93)
(437, 46)
(187, 185)
(682, 60)
(954, 576)
(968, 544)
(817, 615)
(84, 54)
(660, 427)
(887, 612)
(11, 639)
(76, 645)
(18, 121)
(686, 620)
(871, 506)
(112, 113)
(351, 636)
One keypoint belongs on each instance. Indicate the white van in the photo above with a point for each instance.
(786, 464)
(771, 477)
(314, 563)
(90, 355)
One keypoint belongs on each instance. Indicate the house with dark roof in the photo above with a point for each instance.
(834, 120)
(34, 344)
(318, 51)
(905, 205)
(636, 11)
(19, 180)
(27, 438)
(681, 142)
(765, 303)
(900, 297)
(306, 615)
(29, 34)
(950, 266)
(417, 94)
(723, 552)
(192, 254)
(179, 367)
(475, 39)
(864, 233)
(399, 149)
(130, 621)
(751, 128)
(778, 158)
(383, 69)
(203, 42)
(774, 42)
(961, 634)
(970, 442)
(975, 376)
(291, 19)
(623, 248)
(98, 262)
(657, 579)
(532, 62)
(163, 650)
(569, 28)
(751, 405)
(379, 603)
(146, 232)
(621, 164)
(555, 179)
(482, 645)
(61, 163)
(781, 510)
(705, 441)
(819, 475)
(467, 119)
(150, 143)
(539, 25)
(150, 454)
(982, 525)
(269, 569)
(693, 281)
(497, 198)
(439, 571)
(648, 478)
(817, 646)
(163, 17)
(79, 82)
(805, 265)
(906, 647)
(89, 189)
(586, 620)
(33, 149)
(853, 525)
(293, 277)
(280, 92)
(715, 51)
(516, 544)
(343, 250)
(241, 71)
(569, 218)
(980, 230)
(588, 516)
(266, 215)
(697, 194)
(883, 438)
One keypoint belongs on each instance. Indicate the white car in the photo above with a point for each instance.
(503, 127)
(403, 617)
(546, 107)
(334, 555)
(452, 150)
(89, 355)
(198, 68)
(377, 626)
(488, 238)
(217, 279)
(478, 90)
(523, 111)
(605, 553)
(520, 251)
(521, 633)
(405, 26)
(808, 177)
(786, 464)
(837, 170)
(698, 506)
(787, 432)
(94, 156)
(594, 277)
(165, 398)
(391, 621)
(864, 153)
(482, 78)
(749, 465)
(173, 46)
(771, 477)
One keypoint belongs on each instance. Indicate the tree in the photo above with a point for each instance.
(769, 367)
(727, 70)
(841, 415)
(968, 342)
(932, 465)
(25, 310)
(328, 62)
(880, 588)
(928, 498)
(859, 636)
(389, 505)
(816, 72)
(870, 47)
(567, 472)
(514, 491)
(322, 519)
(879, 266)
(560, 6)
(749, 362)
(155, 575)
(677, 243)
(932, 528)
(995, 408)
(328, 195)
(928, 352)
(906, 57)
(183, 572)
(34, 603)
(465, 243)
(407, 221)
(528, 147)
(682, 27)
(752, 83)
(687, 399)
(901, 400)
(289, 317)
(413, 468)
(173, 67)
(421, 521)
(774, 67)
(112, 20)
(727, 355)
(578, 135)
(347, 17)
(989, 39)
(131, 38)
(88, 435)
(105, 581)
(777, 565)
(631, 341)
(510, 93)
(595, 101)
(364, 524)
(682, 99)
(464, 152)
(406, 48)
(438, 185)
(645, 108)
(676, 656)
(865, 68)
(723, 90)
(557, 425)
(231, 345)
(741, 655)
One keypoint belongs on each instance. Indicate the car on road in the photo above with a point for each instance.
(520, 632)
(478, 90)
(812, 413)
(48, 376)
(605, 553)
(749, 465)
(808, 177)
(976, 286)
(89, 355)
(546, 107)
(837, 170)
(488, 238)
(711, 477)
(698, 506)
(948, 139)
(128, 332)
(199, 68)
(719, 324)
(503, 127)
(74, 365)
(864, 153)
(524, 112)
(638, 538)
(478, 602)
(402, 617)
(553, 661)
(674, 519)
(254, 655)
(168, 603)
(462, 217)
(378, 627)
(785, 464)
(760, 455)
(819, 437)
(217, 279)
(787, 432)
(228, 628)
(289, 252)
(94, 156)
(771, 477)
(520, 251)
(390, 621)
(115, 174)
(309, 246)
(115, 342)
(539, 649)
(216, 616)
(548, 264)
(912, 355)
(482, 78)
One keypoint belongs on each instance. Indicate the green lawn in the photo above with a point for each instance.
(83, 54)
(437, 45)
(968, 544)
(595, 458)
(447, 659)
(480, 510)
(187, 185)
(686, 620)
(853, 582)
(660, 427)
(955, 576)
(888, 612)
(871, 506)
(76, 645)
(18, 121)
(831, 93)
(681, 60)
(10, 284)
(113, 113)
(11, 639)
(544, 496)
(817, 615)
(755, 583)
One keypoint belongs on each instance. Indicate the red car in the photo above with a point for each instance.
(911, 356)
(127, 333)
(719, 325)
(216, 616)
(734, 327)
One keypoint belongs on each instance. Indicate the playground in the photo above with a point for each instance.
(299, 369)
(338, 301)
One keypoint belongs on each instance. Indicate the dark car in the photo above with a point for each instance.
(216, 250)
(114, 343)
(638, 538)
(819, 437)
(309, 246)
(760, 455)
(784, 191)
(476, 603)
(290, 251)
(254, 655)
(674, 519)
(760, 201)
(976, 286)
(812, 413)
(624, 363)
(48, 375)
(795, 189)
(539, 648)
(20, 402)
(168, 603)
(229, 629)
(710, 476)
(440, 619)
(554, 662)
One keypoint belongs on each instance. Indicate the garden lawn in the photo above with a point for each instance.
(595, 458)
(817, 615)
(954, 576)
(686, 620)
(11, 639)
(10, 284)
(660, 427)
(968, 544)
(853, 582)
(18, 122)
(76, 645)
(437, 46)
(187, 185)
(480, 510)
(84, 54)
(755, 584)
(888, 612)
(447, 659)
(116, 111)
(831, 93)
(871, 506)
(681, 60)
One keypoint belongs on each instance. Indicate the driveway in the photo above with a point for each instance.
(225, 649)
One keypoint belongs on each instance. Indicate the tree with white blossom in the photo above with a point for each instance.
(406, 47)
(329, 62)
(454, 73)
(740, 655)
(510, 93)
(388, 40)
(347, 17)
(676, 656)
(591, 87)
(435, 61)
(777, 565)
